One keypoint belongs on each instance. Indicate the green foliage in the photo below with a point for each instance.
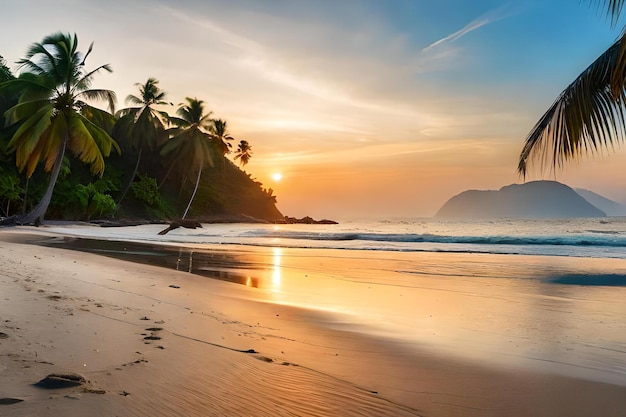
(93, 201)
(47, 113)
(81, 196)
(5, 72)
(10, 190)
(227, 190)
(147, 191)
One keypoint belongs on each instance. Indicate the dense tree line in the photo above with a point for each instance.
(63, 157)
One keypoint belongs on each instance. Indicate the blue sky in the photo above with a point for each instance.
(367, 108)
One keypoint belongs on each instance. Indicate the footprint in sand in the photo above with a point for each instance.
(9, 401)
(153, 335)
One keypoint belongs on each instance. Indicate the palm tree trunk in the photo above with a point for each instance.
(193, 195)
(130, 181)
(37, 214)
(167, 174)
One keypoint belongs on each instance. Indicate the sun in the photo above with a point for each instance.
(277, 176)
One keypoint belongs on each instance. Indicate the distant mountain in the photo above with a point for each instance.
(536, 199)
(610, 207)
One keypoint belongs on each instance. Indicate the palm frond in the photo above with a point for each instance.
(133, 99)
(25, 109)
(52, 142)
(83, 145)
(87, 54)
(30, 86)
(27, 135)
(164, 116)
(32, 67)
(102, 95)
(85, 81)
(126, 111)
(586, 117)
(613, 8)
(177, 121)
(101, 118)
(48, 65)
(101, 137)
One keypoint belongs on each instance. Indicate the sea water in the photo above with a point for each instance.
(543, 293)
(594, 237)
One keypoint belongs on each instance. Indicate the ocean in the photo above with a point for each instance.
(546, 294)
(587, 238)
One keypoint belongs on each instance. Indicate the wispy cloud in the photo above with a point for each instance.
(472, 26)
(487, 18)
(283, 67)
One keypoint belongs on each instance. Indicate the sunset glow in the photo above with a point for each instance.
(371, 108)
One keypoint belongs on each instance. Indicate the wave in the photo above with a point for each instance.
(600, 240)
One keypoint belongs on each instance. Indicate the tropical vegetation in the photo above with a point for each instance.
(191, 146)
(62, 157)
(589, 115)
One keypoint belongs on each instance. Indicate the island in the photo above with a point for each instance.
(535, 199)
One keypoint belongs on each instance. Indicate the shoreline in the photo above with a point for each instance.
(79, 312)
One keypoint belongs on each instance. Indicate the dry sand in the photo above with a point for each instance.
(151, 341)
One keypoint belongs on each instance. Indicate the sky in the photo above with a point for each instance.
(368, 108)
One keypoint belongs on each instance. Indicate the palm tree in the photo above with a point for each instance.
(243, 152)
(52, 115)
(589, 114)
(142, 126)
(222, 139)
(220, 133)
(191, 146)
(5, 72)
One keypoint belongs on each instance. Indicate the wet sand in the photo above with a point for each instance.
(156, 341)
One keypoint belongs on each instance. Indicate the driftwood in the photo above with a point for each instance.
(187, 224)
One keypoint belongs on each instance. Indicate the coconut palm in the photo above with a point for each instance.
(243, 152)
(5, 72)
(191, 146)
(589, 114)
(222, 139)
(52, 115)
(220, 134)
(141, 126)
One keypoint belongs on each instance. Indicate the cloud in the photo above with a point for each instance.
(322, 64)
(487, 18)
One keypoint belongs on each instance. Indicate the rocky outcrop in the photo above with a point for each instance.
(305, 220)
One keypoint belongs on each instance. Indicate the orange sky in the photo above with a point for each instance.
(367, 108)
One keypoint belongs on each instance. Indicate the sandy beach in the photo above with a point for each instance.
(155, 341)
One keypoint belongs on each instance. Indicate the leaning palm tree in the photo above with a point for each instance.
(52, 115)
(191, 146)
(141, 126)
(589, 115)
(243, 152)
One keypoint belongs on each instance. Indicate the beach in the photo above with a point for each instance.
(306, 332)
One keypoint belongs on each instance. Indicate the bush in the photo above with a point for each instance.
(147, 191)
